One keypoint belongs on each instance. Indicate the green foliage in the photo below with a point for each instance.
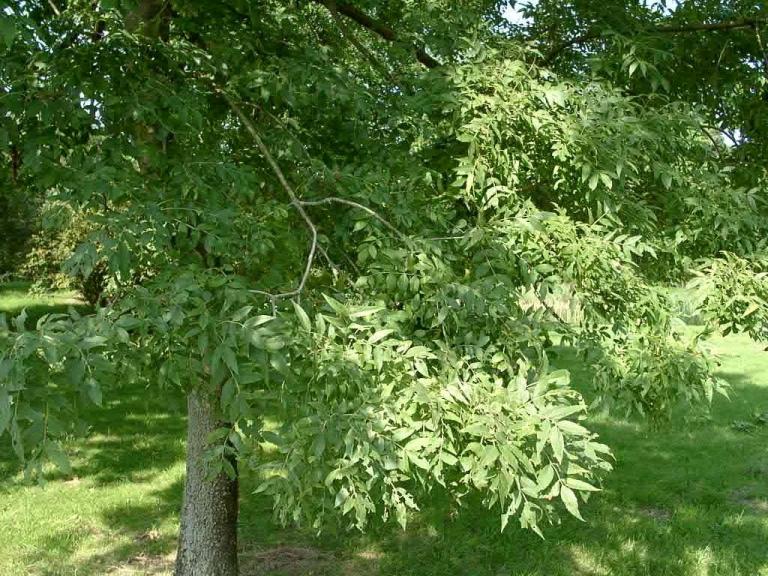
(383, 419)
(651, 373)
(67, 355)
(18, 220)
(63, 230)
(281, 215)
(732, 293)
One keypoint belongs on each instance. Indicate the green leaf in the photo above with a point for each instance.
(228, 391)
(751, 309)
(557, 443)
(228, 468)
(476, 429)
(272, 438)
(560, 412)
(570, 501)
(545, 477)
(228, 354)
(259, 320)
(20, 320)
(402, 433)
(217, 435)
(336, 306)
(365, 311)
(418, 460)
(93, 342)
(577, 484)
(341, 497)
(5, 410)
(586, 170)
(379, 335)
(318, 445)
(55, 454)
(572, 428)
(449, 458)
(303, 317)
(419, 444)
(93, 390)
(241, 313)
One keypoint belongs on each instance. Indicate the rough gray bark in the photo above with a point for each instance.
(208, 535)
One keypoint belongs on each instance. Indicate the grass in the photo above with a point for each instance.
(15, 297)
(688, 500)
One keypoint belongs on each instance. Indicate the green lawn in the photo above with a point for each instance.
(15, 297)
(688, 500)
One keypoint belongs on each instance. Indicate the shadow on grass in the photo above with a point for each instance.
(687, 499)
(129, 544)
(133, 437)
(671, 507)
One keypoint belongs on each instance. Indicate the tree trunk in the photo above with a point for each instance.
(208, 535)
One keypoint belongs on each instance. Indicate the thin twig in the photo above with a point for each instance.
(440, 238)
(665, 29)
(350, 262)
(54, 8)
(331, 263)
(367, 54)
(762, 49)
(332, 199)
(712, 139)
(299, 204)
(291, 195)
(363, 19)
(725, 133)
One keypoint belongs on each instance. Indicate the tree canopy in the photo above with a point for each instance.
(361, 212)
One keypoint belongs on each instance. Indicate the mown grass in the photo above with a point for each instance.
(15, 297)
(690, 499)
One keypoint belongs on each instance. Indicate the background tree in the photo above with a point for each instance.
(338, 209)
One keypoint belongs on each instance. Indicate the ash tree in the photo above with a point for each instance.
(360, 216)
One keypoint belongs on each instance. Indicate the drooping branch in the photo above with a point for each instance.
(664, 29)
(377, 27)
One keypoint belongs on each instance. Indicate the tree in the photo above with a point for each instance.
(307, 206)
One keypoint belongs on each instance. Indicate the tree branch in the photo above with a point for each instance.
(295, 202)
(54, 8)
(335, 199)
(350, 37)
(762, 49)
(379, 28)
(299, 204)
(664, 29)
